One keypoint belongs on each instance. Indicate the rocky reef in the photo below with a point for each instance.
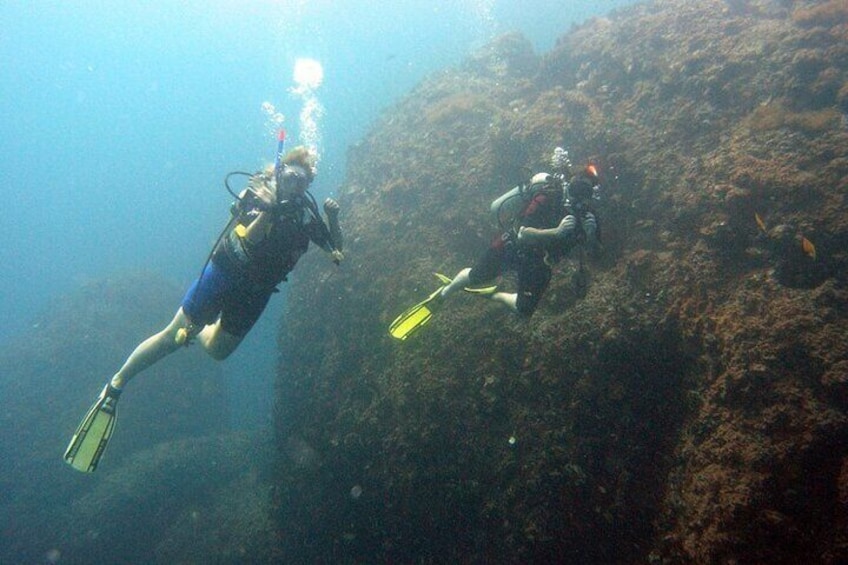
(173, 485)
(689, 407)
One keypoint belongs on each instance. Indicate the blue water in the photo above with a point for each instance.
(120, 119)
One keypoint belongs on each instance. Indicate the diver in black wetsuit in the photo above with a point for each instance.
(273, 222)
(554, 217)
(276, 220)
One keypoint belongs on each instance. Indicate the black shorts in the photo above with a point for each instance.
(220, 294)
(534, 275)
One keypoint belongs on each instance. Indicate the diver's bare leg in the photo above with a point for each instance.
(509, 299)
(218, 343)
(460, 281)
(151, 350)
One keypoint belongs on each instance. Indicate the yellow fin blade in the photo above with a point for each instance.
(93, 434)
(413, 318)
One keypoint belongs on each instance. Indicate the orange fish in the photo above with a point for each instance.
(808, 247)
(760, 223)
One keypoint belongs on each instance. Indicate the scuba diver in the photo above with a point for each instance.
(542, 222)
(273, 220)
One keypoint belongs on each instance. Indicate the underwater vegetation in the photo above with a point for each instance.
(689, 407)
(821, 14)
(774, 116)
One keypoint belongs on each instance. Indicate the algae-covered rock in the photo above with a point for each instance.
(199, 500)
(54, 371)
(690, 407)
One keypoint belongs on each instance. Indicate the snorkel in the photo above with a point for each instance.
(281, 141)
(278, 160)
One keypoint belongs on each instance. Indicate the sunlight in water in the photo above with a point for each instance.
(308, 76)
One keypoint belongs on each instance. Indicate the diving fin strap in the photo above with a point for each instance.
(90, 440)
(444, 279)
(481, 291)
(417, 316)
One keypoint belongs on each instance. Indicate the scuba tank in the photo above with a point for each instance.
(509, 205)
(506, 207)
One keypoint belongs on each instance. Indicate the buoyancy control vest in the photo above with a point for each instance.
(266, 262)
(508, 207)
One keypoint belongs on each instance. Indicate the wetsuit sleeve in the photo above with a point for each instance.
(592, 226)
(336, 237)
(319, 234)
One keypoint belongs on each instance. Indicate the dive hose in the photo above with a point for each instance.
(281, 141)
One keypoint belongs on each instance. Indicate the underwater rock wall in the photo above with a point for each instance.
(51, 375)
(690, 407)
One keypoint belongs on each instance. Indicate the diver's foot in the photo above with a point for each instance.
(451, 285)
(111, 391)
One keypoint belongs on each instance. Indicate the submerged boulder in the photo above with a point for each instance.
(51, 375)
(689, 407)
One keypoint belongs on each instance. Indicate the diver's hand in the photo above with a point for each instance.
(267, 199)
(536, 236)
(331, 208)
(337, 256)
(590, 226)
(566, 226)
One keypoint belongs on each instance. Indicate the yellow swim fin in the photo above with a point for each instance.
(414, 318)
(443, 278)
(92, 435)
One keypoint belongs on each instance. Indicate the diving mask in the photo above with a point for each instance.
(292, 179)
